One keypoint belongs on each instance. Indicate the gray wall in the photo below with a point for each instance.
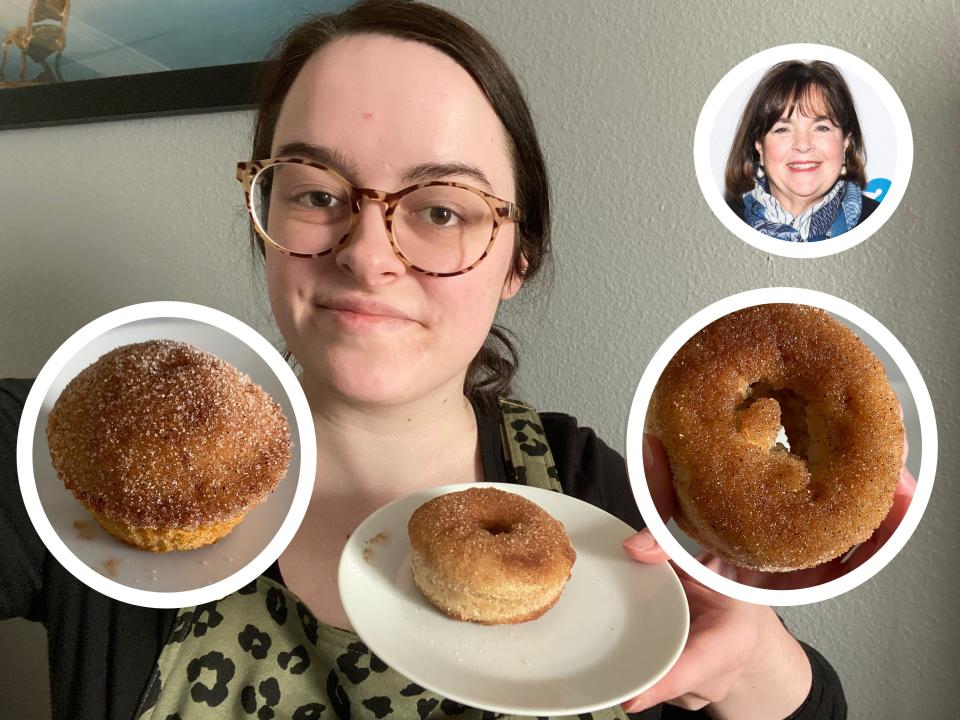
(99, 216)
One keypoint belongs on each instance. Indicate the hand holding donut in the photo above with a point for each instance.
(738, 658)
(783, 438)
(657, 470)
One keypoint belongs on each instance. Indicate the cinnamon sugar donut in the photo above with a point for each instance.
(718, 407)
(489, 556)
(166, 445)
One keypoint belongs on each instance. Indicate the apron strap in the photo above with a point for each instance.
(525, 446)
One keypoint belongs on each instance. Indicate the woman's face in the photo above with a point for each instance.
(388, 113)
(802, 155)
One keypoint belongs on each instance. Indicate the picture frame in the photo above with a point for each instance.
(172, 92)
(67, 63)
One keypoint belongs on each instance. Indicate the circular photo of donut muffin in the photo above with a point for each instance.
(166, 454)
(166, 445)
(772, 443)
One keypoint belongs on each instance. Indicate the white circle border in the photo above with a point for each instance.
(31, 412)
(714, 105)
(928, 435)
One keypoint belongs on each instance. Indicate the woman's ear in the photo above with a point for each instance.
(514, 281)
(759, 148)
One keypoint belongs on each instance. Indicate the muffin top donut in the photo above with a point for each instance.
(164, 435)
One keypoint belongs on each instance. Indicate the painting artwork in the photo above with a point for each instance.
(68, 61)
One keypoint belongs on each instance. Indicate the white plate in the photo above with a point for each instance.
(172, 579)
(617, 629)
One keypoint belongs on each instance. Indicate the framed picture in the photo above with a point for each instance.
(72, 61)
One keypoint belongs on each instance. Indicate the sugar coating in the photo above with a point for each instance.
(162, 435)
(490, 555)
(717, 409)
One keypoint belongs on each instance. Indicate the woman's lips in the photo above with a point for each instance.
(361, 314)
(803, 166)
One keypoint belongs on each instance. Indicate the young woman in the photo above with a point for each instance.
(399, 195)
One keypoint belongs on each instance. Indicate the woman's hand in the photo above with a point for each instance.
(739, 659)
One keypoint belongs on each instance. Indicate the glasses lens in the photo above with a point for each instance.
(442, 229)
(301, 208)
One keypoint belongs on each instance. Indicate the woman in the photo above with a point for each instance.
(796, 167)
(391, 333)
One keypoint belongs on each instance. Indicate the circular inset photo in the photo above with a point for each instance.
(166, 454)
(773, 443)
(803, 150)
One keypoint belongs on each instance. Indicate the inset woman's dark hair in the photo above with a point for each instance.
(491, 371)
(809, 88)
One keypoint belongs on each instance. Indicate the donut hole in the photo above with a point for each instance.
(496, 527)
(775, 417)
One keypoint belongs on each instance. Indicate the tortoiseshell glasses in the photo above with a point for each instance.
(305, 209)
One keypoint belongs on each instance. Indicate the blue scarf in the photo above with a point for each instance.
(840, 214)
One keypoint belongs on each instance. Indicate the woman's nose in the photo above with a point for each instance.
(367, 253)
(802, 141)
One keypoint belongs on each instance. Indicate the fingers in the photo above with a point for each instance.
(656, 467)
(689, 701)
(906, 485)
(906, 443)
(902, 496)
(718, 565)
(643, 548)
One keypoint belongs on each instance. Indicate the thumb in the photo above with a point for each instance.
(656, 467)
(643, 548)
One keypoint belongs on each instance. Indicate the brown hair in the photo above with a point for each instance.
(491, 372)
(789, 87)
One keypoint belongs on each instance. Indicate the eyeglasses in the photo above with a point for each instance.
(305, 209)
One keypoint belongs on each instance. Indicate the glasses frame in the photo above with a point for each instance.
(502, 210)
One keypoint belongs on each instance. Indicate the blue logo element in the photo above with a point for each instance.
(877, 189)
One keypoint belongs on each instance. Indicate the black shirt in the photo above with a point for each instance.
(102, 651)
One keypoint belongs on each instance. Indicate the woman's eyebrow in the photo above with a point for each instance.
(435, 171)
(330, 157)
(816, 118)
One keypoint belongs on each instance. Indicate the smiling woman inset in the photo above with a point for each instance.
(796, 166)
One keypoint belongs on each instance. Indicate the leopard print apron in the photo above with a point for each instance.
(260, 653)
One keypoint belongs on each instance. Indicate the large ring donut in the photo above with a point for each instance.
(489, 556)
(718, 408)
